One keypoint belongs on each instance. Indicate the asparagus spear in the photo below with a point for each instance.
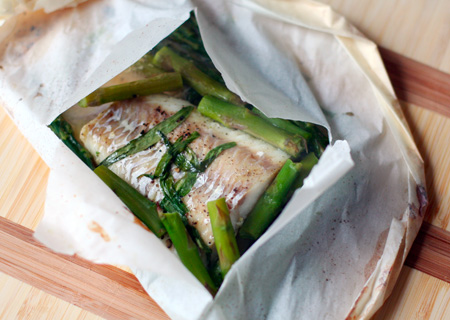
(187, 42)
(155, 84)
(167, 59)
(320, 141)
(150, 138)
(223, 234)
(145, 67)
(236, 117)
(172, 203)
(187, 250)
(308, 163)
(271, 202)
(283, 124)
(64, 131)
(140, 206)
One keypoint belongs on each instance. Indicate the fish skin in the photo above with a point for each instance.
(240, 174)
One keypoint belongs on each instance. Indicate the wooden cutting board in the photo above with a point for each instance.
(115, 294)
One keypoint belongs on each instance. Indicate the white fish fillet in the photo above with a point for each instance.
(240, 174)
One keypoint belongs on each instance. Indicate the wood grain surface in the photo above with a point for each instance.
(417, 296)
(104, 290)
(417, 29)
(417, 83)
(430, 252)
(115, 294)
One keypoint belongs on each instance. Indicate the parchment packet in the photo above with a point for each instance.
(337, 248)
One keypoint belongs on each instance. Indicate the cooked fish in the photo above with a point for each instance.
(240, 174)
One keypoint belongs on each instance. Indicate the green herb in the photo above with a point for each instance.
(185, 184)
(172, 151)
(213, 154)
(150, 138)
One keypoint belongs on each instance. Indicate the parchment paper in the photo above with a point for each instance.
(337, 248)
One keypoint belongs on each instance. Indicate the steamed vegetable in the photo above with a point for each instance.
(223, 231)
(155, 84)
(236, 117)
(167, 59)
(307, 164)
(271, 203)
(145, 67)
(64, 131)
(140, 206)
(187, 250)
(283, 124)
(187, 42)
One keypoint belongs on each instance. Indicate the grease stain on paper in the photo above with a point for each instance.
(95, 227)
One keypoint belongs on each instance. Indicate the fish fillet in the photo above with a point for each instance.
(240, 174)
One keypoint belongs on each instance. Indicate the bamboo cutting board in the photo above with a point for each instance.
(411, 28)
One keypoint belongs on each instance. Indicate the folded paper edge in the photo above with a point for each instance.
(381, 282)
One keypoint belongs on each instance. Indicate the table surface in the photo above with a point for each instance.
(418, 29)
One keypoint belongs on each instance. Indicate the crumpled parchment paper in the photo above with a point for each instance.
(337, 248)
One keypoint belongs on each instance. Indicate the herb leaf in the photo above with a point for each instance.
(213, 154)
(150, 138)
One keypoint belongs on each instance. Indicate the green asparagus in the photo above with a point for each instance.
(167, 59)
(155, 84)
(172, 203)
(236, 117)
(187, 42)
(187, 250)
(320, 141)
(283, 124)
(223, 234)
(150, 138)
(308, 163)
(64, 131)
(145, 67)
(271, 202)
(144, 209)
